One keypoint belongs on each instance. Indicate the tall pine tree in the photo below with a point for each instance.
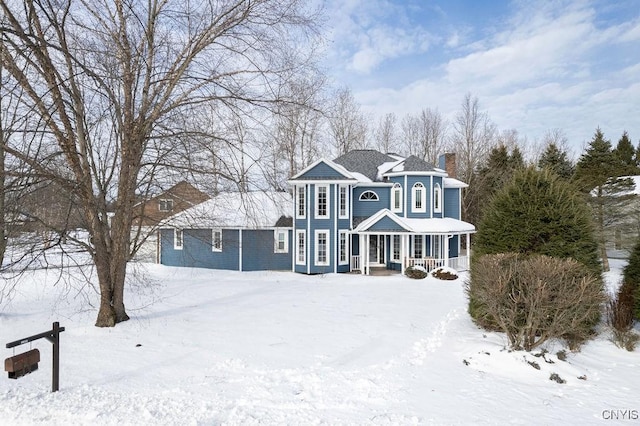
(597, 174)
(625, 156)
(495, 173)
(556, 160)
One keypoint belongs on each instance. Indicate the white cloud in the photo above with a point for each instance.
(369, 33)
(549, 65)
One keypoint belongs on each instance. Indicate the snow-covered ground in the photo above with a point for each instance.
(207, 347)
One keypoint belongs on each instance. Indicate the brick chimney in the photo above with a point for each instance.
(448, 163)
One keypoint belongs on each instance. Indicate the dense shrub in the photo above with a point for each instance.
(534, 298)
(444, 274)
(539, 213)
(416, 272)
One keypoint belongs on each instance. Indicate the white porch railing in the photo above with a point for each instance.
(355, 263)
(460, 263)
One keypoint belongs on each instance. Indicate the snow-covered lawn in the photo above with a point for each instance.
(216, 347)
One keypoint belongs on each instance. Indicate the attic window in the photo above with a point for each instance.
(369, 196)
(165, 205)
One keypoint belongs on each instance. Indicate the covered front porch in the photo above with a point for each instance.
(388, 241)
(398, 252)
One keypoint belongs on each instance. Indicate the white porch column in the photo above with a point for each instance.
(446, 249)
(366, 254)
(402, 253)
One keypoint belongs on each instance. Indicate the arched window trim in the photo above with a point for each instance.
(419, 197)
(368, 196)
(437, 198)
(396, 190)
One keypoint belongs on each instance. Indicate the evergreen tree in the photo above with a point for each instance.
(631, 280)
(556, 160)
(537, 212)
(493, 175)
(626, 160)
(597, 175)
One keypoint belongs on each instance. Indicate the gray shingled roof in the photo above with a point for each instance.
(415, 164)
(364, 161)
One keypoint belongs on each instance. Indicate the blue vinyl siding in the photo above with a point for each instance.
(451, 203)
(258, 251)
(368, 208)
(426, 181)
(386, 224)
(196, 250)
(322, 171)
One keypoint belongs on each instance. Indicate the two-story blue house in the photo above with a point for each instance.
(362, 210)
(367, 209)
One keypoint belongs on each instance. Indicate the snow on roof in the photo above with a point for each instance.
(445, 225)
(440, 226)
(389, 165)
(235, 210)
(454, 183)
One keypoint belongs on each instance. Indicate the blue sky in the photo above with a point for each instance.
(534, 65)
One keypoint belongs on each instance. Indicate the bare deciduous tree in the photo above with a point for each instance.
(385, 135)
(294, 138)
(472, 137)
(347, 124)
(112, 80)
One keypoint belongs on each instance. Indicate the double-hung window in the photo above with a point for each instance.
(343, 202)
(177, 239)
(322, 248)
(281, 237)
(301, 197)
(301, 247)
(343, 258)
(322, 201)
(165, 205)
(216, 240)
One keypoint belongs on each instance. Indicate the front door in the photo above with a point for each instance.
(376, 250)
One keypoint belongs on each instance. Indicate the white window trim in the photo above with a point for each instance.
(423, 198)
(396, 188)
(177, 246)
(303, 233)
(317, 206)
(393, 248)
(301, 189)
(437, 198)
(166, 201)
(376, 198)
(276, 233)
(344, 215)
(213, 240)
(346, 248)
(327, 248)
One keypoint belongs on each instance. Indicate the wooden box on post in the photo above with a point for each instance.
(21, 364)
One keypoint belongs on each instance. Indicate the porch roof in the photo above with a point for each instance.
(385, 221)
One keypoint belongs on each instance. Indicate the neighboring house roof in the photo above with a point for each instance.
(236, 210)
(636, 181)
(385, 220)
(181, 196)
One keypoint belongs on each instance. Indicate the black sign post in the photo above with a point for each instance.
(53, 336)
